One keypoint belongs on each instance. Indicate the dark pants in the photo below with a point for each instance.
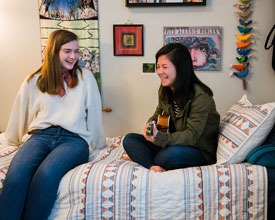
(171, 157)
(30, 187)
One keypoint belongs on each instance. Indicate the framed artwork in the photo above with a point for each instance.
(203, 42)
(128, 39)
(148, 67)
(145, 3)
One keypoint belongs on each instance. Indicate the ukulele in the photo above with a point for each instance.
(162, 124)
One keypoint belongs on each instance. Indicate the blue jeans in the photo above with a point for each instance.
(31, 184)
(171, 157)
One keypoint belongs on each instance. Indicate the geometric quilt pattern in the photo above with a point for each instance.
(110, 188)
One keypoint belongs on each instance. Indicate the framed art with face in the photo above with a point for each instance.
(203, 42)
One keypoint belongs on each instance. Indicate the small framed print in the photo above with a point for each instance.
(148, 68)
(128, 39)
(143, 3)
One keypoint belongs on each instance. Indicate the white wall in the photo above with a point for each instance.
(132, 95)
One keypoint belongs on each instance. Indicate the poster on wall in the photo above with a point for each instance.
(78, 16)
(203, 42)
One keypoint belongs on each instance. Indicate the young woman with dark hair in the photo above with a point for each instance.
(193, 125)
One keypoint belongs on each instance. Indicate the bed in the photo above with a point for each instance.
(109, 187)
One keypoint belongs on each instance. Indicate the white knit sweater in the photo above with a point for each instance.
(78, 111)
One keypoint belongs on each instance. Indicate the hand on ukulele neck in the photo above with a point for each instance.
(150, 131)
(150, 128)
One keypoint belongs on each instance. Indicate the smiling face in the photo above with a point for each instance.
(166, 71)
(68, 55)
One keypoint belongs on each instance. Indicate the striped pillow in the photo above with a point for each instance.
(244, 127)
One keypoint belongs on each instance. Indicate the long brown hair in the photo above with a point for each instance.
(50, 71)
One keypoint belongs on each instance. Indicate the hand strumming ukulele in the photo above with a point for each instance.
(162, 124)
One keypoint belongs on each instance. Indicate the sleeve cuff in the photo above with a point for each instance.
(161, 139)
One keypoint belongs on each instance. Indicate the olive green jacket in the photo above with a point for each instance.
(196, 125)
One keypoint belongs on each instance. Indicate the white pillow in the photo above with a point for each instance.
(244, 127)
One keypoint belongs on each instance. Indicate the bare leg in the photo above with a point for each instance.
(157, 169)
(126, 157)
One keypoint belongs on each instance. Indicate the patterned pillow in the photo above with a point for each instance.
(244, 127)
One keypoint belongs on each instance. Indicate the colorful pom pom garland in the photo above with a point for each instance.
(244, 50)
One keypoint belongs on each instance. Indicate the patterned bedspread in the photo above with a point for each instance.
(109, 187)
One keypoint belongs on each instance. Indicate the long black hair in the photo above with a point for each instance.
(183, 86)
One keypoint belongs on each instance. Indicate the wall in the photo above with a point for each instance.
(132, 95)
